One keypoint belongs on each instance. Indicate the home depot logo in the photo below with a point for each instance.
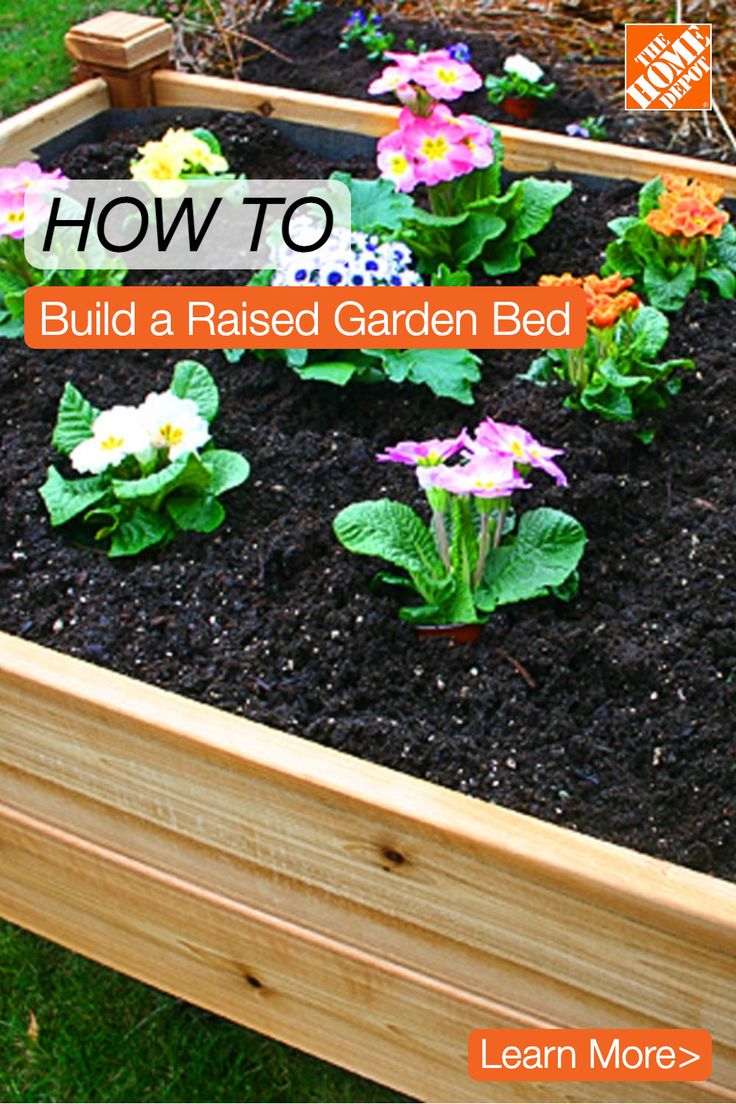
(668, 66)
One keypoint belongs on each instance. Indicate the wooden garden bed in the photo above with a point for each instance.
(362, 915)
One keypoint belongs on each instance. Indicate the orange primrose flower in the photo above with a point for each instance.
(606, 298)
(566, 280)
(687, 209)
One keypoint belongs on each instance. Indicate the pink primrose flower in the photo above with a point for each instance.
(408, 62)
(485, 475)
(516, 443)
(396, 166)
(28, 174)
(434, 147)
(21, 213)
(425, 454)
(391, 80)
(476, 135)
(444, 78)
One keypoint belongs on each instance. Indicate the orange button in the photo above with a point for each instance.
(581, 1055)
(304, 318)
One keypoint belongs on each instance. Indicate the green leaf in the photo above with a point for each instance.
(387, 578)
(375, 204)
(506, 256)
(10, 327)
(445, 277)
(668, 291)
(106, 518)
(612, 403)
(543, 369)
(724, 248)
(73, 421)
(620, 257)
(264, 278)
(295, 358)
(460, 607)
(139, 531)
(545, 550)
(227, 470)
(233, 356)
(649, 330)
(67, 498)
(339, 372)
(208, 138)
(539, 199)
(619, 226)
(425, 220)
(470, 239)
(393, 532)
(15, 304)
(449, 373)
(191, 380)
(186, 471)
(12, 283)
(649, 196)
(199, 513)
(609, 371)
(723, 278)
(421, 615)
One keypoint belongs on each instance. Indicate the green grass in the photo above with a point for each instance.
(103, 1037)
(33, 63)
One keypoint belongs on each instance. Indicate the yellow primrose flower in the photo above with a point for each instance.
(193, 150)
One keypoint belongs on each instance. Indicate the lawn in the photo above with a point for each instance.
(73, 1030)
(70, 1029)
(33, 64)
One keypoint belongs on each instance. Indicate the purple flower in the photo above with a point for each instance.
(517, 443)
(575, 130)
(486, 475)
(425, 454)
(459, 51)
(356, 19)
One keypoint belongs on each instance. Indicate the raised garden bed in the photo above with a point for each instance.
(368, 916)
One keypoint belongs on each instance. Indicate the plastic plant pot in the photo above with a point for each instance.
(459, 633)
(520, 107)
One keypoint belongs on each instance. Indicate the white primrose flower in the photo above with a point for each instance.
(523, 67)
(116, 433)
(173, 423)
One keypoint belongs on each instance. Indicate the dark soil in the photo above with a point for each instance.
(319, 65)
(623, 726)
(311, 59)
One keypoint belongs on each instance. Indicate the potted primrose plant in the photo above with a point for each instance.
(476, 554)
(458, 158)
(148, 472)
(520, 90)
(24, 205)
(617, 373)
(680, 240)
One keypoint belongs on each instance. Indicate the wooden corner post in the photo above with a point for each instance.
(124, 49)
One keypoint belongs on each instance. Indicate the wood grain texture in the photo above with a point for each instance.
(397, 1026)
(22, 134)
(526, 150)
(119, 40)
(520, 917)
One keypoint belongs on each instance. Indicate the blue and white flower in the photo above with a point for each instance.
(365, 261)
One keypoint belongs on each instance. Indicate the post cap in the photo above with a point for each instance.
(119, 40)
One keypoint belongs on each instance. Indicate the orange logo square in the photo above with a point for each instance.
(668, 66)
